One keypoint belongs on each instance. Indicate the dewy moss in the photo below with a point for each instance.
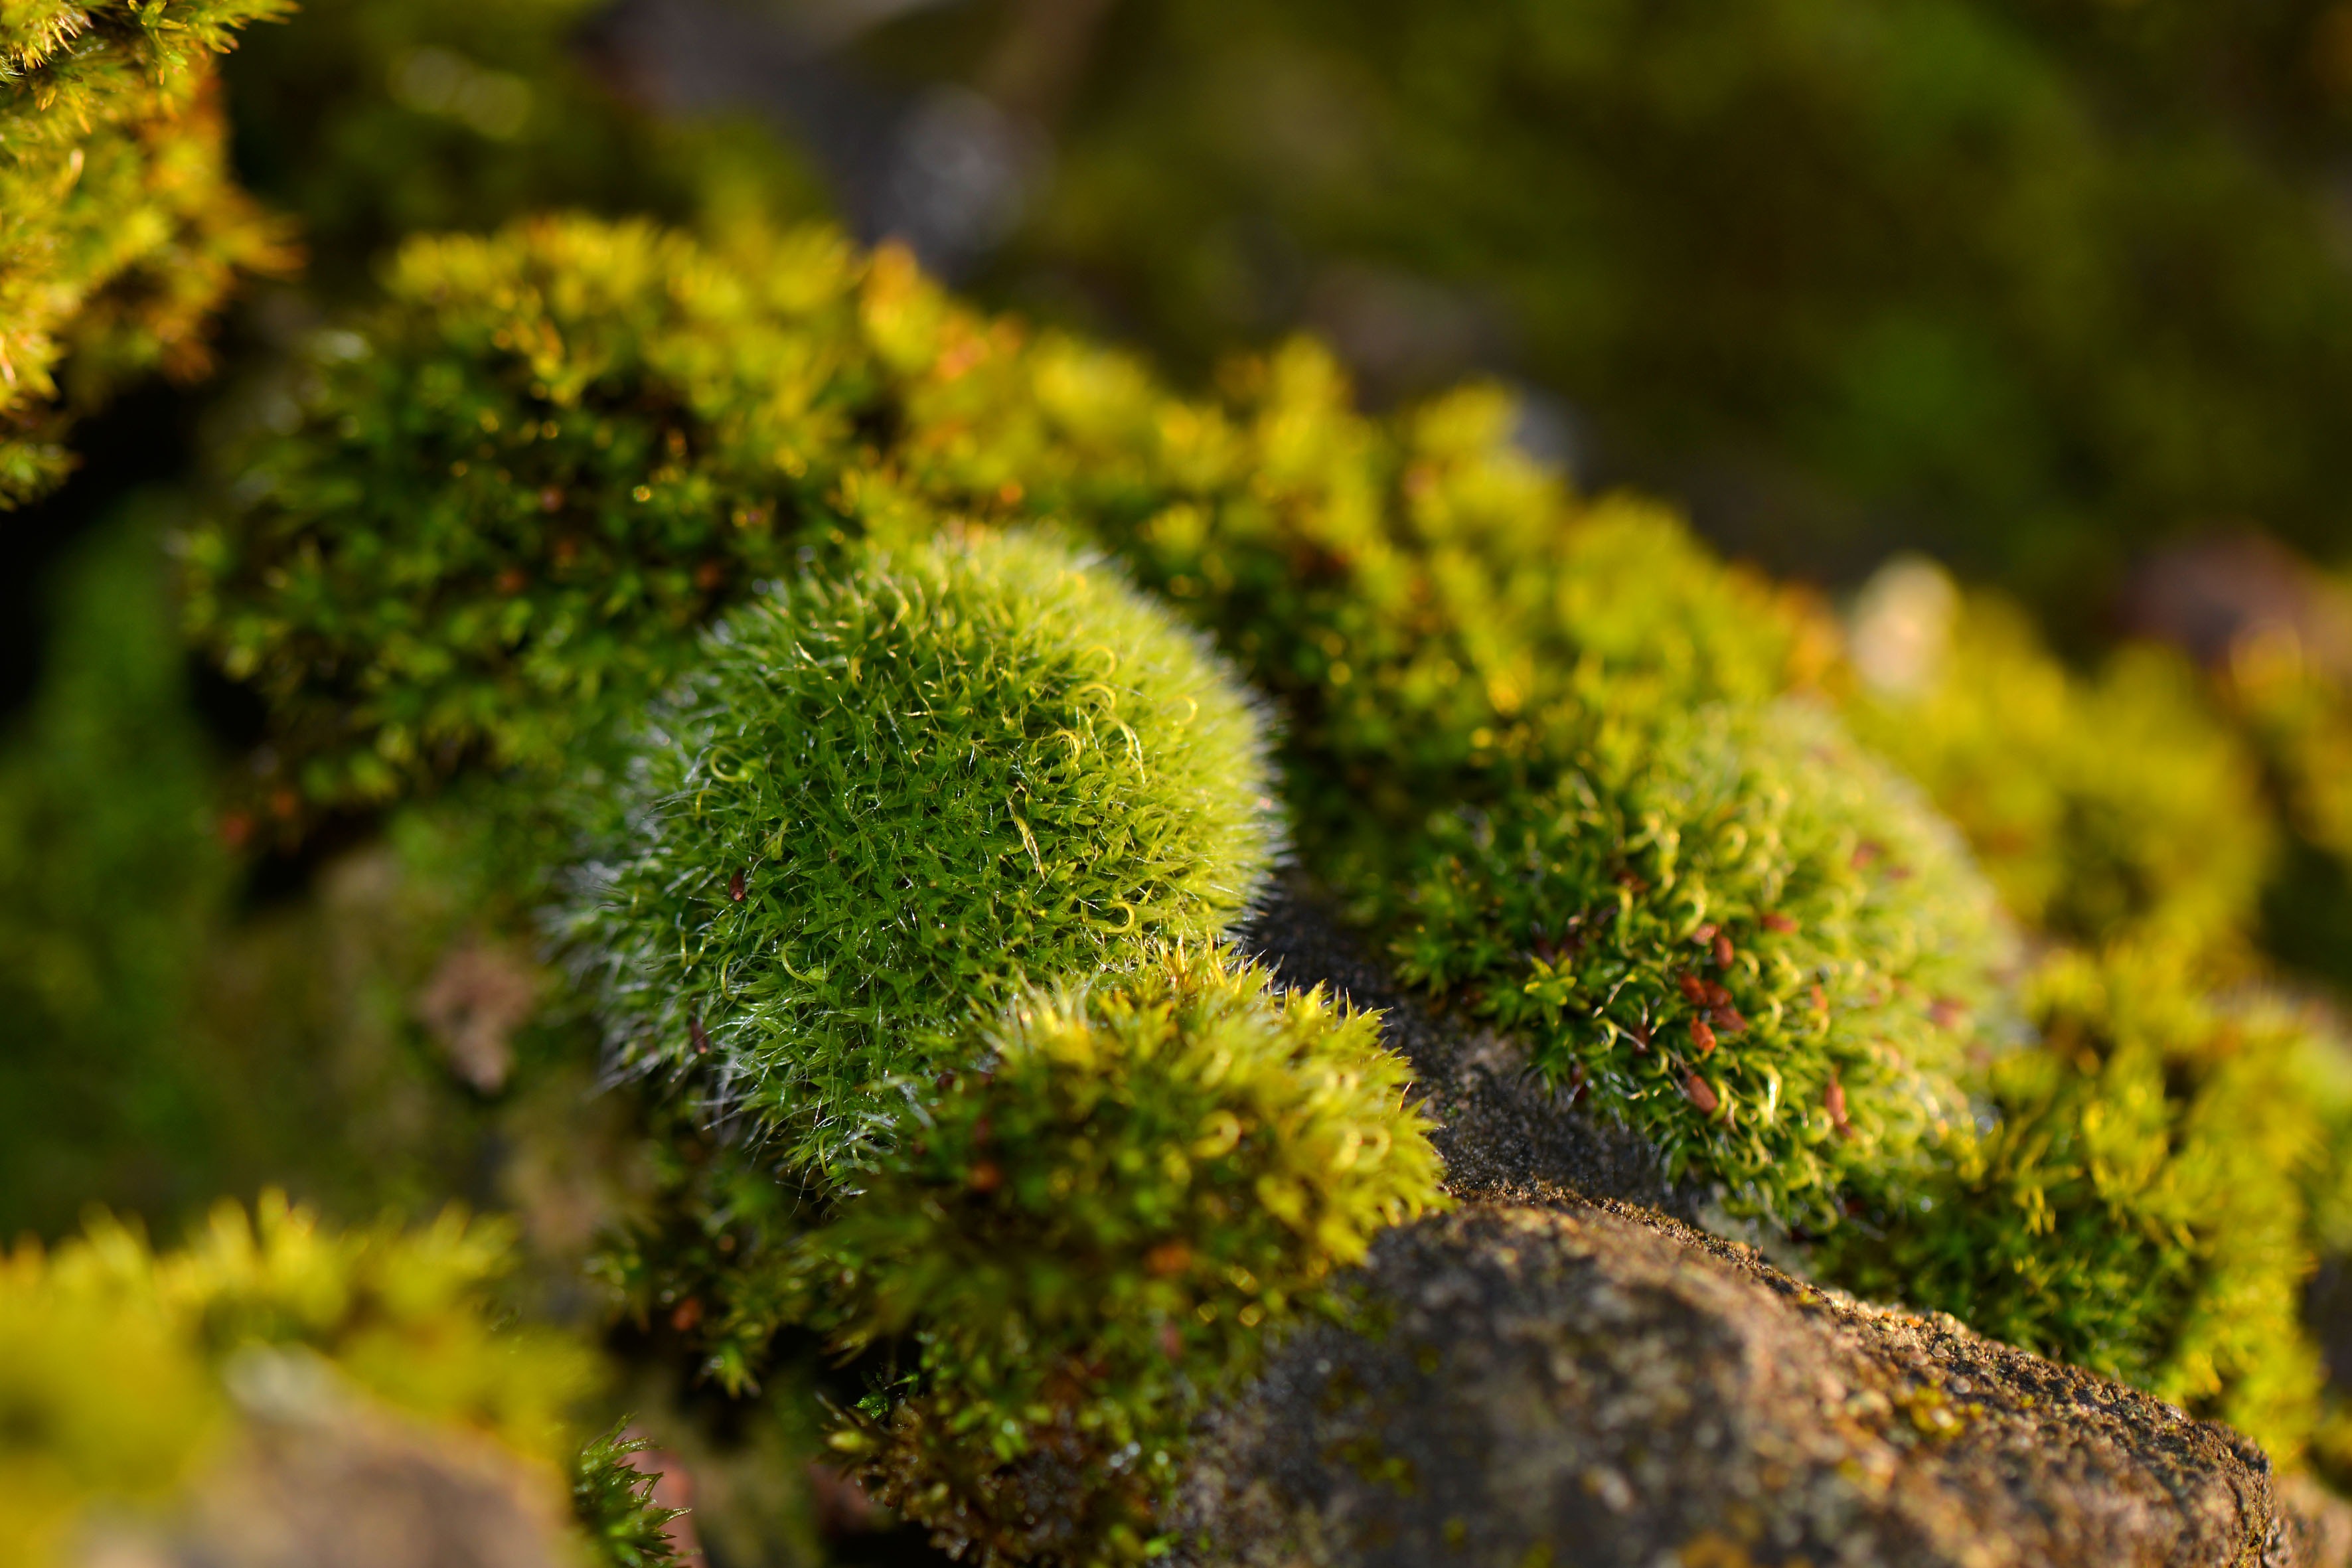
(1092, 1229)
(888, 796)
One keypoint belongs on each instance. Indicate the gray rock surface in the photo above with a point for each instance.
(1503, 1132)
(1593, 1384)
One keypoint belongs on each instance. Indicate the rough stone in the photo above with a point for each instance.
(1503, 1131)
(352, 1488)
(1593, 1384)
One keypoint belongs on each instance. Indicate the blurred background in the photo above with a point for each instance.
(2054, 293)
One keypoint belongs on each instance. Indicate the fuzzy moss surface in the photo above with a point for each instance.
(511, 504)
(2142, 1205)
(1095, 1227)
(2114, 807)
(120, 230)
(1445, 625)
(1731, 928)
(117, 1380)
(890, 794)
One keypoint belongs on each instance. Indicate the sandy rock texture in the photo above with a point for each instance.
(1593, 1384)
(1565, 1373)
(356, 1489)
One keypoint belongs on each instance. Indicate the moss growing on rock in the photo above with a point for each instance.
(2142, 1205)
(1449, 631)
(509, 506)
(886, 795)
(132, 1379)
(1094, 1228)
(1729, 928)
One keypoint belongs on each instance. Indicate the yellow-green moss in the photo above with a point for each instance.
(1093, 1228)
(120, 228)
(888, 796)
(2141, 1204)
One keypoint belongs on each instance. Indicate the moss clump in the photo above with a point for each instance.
(1094, 1227)
(613, 1502)
(888, 795)
(1447, 628)
(509, 508)
(1729, 928)
(117, 1385)
(123, 230)
(2142, 1205)
(2115, 807)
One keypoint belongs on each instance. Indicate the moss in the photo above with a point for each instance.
(570, 446)
(123, 229)
(122, 1373)
(1731, 928)
(1446, 627)
(613, 1502)
(2118, 806)
(1094, 1228)
(888, 796)
(2142, 1202)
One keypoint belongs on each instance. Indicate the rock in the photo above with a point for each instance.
(1592, 1383)
(1503, 1131)
(355, 1487)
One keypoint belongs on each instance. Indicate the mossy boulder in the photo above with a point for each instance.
(1590, 1384)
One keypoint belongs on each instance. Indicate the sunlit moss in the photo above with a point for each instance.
(128, 1371)
(1445, 626)
(886, 795)
(2141, 1204)
(124, 230)
(2114, 806)
(1093, 1228)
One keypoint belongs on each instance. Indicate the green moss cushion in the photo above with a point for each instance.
(889, 794)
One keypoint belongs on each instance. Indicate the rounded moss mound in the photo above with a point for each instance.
(888, 796)
(1095, 1228)
(1729, 928)
(2142, 1205)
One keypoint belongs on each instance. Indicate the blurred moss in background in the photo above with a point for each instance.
(2055, 292)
